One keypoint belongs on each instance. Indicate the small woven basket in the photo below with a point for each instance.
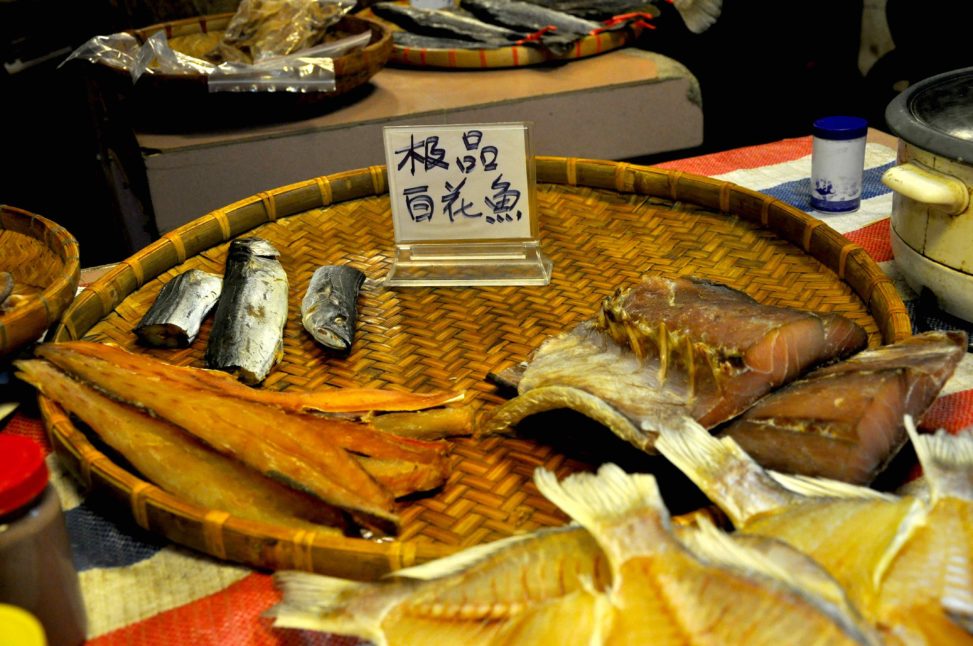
(43, 258)
(184, 100)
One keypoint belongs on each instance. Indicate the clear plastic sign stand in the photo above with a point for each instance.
(463, 206)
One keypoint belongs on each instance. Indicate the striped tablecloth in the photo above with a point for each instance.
(141, 589)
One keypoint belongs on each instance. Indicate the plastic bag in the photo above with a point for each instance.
(262, 29)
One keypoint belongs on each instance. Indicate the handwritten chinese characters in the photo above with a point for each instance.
(459, 182)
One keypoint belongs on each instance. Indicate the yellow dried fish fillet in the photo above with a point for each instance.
(718, 594)
(204, 477)
(269, 440)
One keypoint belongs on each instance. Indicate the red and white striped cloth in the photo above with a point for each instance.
(141, 589)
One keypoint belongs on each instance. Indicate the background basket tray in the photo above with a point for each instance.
(602, 223)
(184, 100)
(43, 258)
(502, 57)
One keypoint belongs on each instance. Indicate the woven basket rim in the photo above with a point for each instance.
(302, 550)
(26, 323)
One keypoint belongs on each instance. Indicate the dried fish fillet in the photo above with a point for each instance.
(623, 576)
(247, 338)
(175, 316)
(844, 421)
(204, 477)
(275, 443)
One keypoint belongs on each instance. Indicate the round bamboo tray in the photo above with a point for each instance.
(184, 100)
(43, 258)
(602, 223)
(503, 57)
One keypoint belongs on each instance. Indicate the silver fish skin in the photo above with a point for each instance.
(247, 338)
(524, 16)
(328, 309)
(445, 24)
(175, 316)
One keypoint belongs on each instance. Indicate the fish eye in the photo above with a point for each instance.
(340, 320)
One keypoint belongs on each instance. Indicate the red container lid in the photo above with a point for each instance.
(23, 472)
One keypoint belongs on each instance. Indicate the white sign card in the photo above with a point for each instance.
(462, 201)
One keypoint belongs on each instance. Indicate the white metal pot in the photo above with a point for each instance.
(932, 210)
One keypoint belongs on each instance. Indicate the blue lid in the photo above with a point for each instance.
(840, 128)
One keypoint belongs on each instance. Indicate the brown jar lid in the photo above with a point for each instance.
(23, 472)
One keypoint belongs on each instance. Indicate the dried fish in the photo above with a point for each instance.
(623, 576)
(844, 421)
(329, 308)
(665, 349)
(445, 24)
(247, 338)
(905, 562)
(301, 451)
(152, 445)
(528, 17)
(175, 316)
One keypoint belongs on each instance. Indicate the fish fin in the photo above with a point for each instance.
(327, 604)
(947, 460)
(722, 469)
(712, 544)
(826, 488)
(600, 502)
(699, 15)
(805, 577)
(459, 561)
(913, 520)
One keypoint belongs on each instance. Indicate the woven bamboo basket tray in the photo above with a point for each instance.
(602, 223)
(43, 258)
(184, 100)
(502, 57)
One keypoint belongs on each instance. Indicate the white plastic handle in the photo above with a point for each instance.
(922, 184)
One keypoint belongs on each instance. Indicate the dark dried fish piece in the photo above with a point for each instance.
(328, 309)
(247, 338)
(173, 320)
(845, 421)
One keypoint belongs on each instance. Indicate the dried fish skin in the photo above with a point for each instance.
(845, 421)
(174, 319)
(247, 338)
(153, 446)
(329, 308)
(729, 349)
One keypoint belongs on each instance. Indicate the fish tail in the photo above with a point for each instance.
(721, 469)
(699, 15)
(611, 499)
(947, 460)
(327, 604)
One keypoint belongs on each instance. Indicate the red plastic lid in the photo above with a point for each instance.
(23, 473)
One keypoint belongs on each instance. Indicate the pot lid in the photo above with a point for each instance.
(936, 114)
